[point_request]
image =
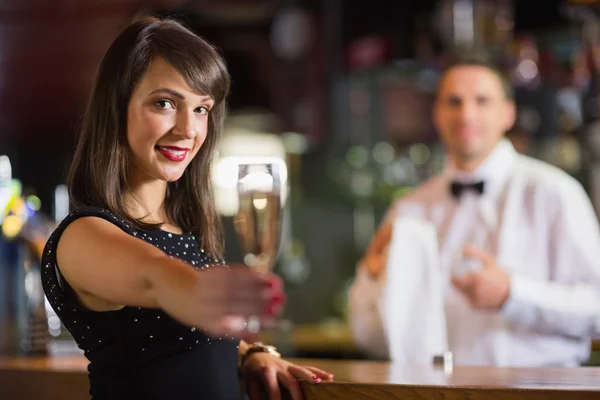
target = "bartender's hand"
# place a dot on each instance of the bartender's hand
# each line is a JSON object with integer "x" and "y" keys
{"x": 487, "y": 288}
{"x": 376, "y": 256}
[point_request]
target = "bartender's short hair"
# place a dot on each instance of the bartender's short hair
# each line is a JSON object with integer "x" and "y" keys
{"x": 480, "y": 58}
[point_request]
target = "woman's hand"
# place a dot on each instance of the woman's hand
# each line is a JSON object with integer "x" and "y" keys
{"x": 263, "y": 373}
{"x": 230, "y": 297}
{"x": 219, "y": 300}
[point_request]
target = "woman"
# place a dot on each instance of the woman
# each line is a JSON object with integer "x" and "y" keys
{"x": 135, "y": 272}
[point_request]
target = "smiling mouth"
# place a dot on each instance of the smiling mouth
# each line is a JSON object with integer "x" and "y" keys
{"x": 172, "y": 153}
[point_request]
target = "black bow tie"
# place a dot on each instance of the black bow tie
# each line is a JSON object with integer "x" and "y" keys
{"x": 457, "y": 188}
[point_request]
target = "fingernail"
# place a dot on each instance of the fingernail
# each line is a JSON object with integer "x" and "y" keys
{"x": 278, "y": 298}
{"x": 270, "y": 284}
{"x": 316, "y": 379}
{"x": 273, "y": 309}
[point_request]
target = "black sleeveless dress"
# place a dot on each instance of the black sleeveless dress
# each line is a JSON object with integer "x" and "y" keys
{"x": 139, "y": 353}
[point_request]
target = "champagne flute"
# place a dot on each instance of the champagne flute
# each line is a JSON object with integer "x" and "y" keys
{"x": 261, "y": 189}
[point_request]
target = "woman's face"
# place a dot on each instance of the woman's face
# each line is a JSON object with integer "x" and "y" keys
{"x": 167, "y": 123}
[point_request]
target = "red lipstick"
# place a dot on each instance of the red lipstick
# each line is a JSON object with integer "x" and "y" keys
{"x": 173, "y": 153}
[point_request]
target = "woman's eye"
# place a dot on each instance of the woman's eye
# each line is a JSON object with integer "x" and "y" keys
{"x": 164, "y": 104}
{"x": 203, "y": 110}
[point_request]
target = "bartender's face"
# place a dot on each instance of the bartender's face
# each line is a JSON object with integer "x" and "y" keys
{"x": 472, "y": 113}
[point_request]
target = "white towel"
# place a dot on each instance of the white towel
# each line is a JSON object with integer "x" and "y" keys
{"x": 412, "y": 301}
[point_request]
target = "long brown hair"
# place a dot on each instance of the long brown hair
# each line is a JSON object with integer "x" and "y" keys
{"x": 100, "y": 167}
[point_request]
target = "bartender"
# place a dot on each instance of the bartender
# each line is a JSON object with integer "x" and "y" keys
{"x": 518, "y": 237}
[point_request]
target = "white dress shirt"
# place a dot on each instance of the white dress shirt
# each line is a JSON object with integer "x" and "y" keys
{"x": 540, "y": 226}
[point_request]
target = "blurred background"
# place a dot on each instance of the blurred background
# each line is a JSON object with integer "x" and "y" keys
{"x": 341, "y": 89}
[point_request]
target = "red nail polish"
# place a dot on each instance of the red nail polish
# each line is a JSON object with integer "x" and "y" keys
{"x": 317, "y": 379}
{"x": 278, "y": 298}
{"x": 273, "y": 309}
{"x": 269, "y": 284}
{"x": 272, "y": 282}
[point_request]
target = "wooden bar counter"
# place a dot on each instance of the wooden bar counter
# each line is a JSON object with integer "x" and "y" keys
{"x": 66, "y": 378}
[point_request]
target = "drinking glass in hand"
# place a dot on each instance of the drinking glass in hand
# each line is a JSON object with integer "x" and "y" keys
{"x": 261, "y": 183}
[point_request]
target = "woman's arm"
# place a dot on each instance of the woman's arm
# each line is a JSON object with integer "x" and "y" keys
{"x": 100, "y": 261}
